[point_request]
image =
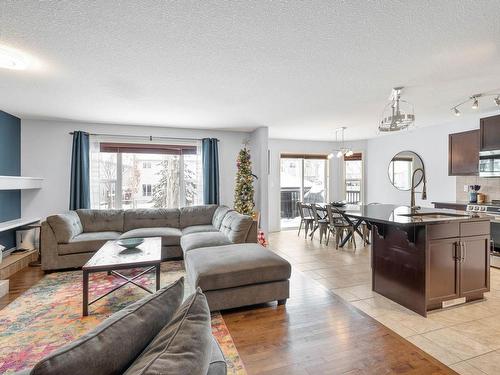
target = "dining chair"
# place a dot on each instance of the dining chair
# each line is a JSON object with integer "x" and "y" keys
{"x": 339, "y": 226}
{"x": 306, "y": 218}
{"x": 319, "y": 223}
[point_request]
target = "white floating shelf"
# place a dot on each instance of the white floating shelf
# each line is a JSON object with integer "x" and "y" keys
{"x": 20, "y": 183}
{"x": 12, "y": 224}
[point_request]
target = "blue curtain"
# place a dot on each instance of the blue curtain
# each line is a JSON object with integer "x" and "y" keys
{"x": 210, "y": 157}
{"x": 80, "y": 175}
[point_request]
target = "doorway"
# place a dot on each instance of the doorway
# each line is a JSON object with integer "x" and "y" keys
{"x": 303, "y": 178}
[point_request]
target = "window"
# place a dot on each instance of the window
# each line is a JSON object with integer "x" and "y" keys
{"x": 146, "y": 190}
{"x": 400, "y": 170}
{"x": 133, "y": 175}
{"x": 353, "y": 178}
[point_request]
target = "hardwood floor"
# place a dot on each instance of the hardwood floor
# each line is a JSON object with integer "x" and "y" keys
{"x": 316, "y": 332}
{"x": 319, "y": 333}
{"x": 20, "y": 282}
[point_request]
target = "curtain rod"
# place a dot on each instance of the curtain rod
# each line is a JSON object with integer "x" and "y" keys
{"x": 151, "y": 137}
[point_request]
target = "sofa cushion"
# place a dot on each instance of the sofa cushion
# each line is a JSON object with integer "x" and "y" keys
{"x": 218, "y": 365}
{"x": 199, "y": 229}
{"x": 234, "y": 265}
{"x": 101, "y": 220}
{"x": 197, "y": 215}
{"x": 116, "y": 342}
{"x": 183, "y": 347}
{"x": 87, "y": 242}
{"x": 169, "y": 236}
{"x": 236, "y": 226}
{"x": 65, "y": 226}
{"x": 206, "y": 239}
{"x": 219, "y": 215}
{"x": 150, "y": 218}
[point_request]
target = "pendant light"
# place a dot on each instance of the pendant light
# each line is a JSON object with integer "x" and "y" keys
{"x": 343, "y": 151}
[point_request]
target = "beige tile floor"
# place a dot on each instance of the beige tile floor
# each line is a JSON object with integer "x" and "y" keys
{"x": 466, "y": 337}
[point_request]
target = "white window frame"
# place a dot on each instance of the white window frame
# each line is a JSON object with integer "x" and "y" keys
{"x": 118, "y": 198}
{"x": 343, "y": 182}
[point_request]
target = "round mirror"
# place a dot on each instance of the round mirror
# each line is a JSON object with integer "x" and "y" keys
{"x": 401, "y": 169}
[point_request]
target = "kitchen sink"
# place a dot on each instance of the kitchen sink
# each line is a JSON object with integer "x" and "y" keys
{"x": 433, "y": 215}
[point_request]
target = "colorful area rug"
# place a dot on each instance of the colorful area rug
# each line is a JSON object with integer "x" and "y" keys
{"x": 49, "y": 315}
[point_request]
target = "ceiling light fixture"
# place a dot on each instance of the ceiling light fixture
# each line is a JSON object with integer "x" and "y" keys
{"x": 475, "y": 101}
{"x": 398, "y": 114}
{"x": 475, "y": 104}
{"x": 12, "y": 59}
{"x": 343, "y": 151}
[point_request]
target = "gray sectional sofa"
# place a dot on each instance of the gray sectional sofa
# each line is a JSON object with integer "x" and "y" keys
{"x": 69, "y": 240}
{"x": 217, "y": 244}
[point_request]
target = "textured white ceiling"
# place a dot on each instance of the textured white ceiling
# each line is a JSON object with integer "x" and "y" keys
{"x": 303, "y": 68}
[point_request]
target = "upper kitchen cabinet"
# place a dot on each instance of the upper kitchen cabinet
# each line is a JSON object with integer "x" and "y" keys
{"x": 463, "y": 153}
{"x": 490, "y": 133}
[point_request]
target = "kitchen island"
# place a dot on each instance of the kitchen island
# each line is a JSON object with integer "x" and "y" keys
{"x": 427, "y": 259}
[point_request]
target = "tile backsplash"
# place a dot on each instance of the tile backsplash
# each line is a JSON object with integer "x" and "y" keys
{"x": 489, "y": 186}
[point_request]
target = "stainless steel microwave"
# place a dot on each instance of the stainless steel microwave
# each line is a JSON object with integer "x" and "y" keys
{"x": 489, "y": 163}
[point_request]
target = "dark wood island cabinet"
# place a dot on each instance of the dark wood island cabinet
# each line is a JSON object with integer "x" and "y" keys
{"x": 429, "y": 260}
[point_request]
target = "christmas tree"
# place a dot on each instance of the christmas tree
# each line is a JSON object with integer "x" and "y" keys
{"x": 243, "y": 194}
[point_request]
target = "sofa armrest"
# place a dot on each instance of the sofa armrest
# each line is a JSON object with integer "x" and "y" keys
{"x": 252, "y": 233}
{"x": 218, "y": 364}
{"x": 48, "y": 246}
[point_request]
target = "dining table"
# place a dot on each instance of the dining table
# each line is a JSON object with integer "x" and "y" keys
{"x": 347, "y": 211}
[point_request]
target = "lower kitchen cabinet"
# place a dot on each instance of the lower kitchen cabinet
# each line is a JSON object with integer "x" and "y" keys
{"x": 475, "y": 259}
{"x": 457, "y": 267}
{"x": 443, "y": 270}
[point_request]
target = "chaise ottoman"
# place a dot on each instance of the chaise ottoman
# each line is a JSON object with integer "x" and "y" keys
{"x": 238, "y": 275}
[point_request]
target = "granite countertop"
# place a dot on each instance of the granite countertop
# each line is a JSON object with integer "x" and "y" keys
{"x": 393, "y": 214}
{"x": 453, "y": 202}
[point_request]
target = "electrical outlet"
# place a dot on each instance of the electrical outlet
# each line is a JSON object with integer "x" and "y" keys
{"x": 466, "y": 188}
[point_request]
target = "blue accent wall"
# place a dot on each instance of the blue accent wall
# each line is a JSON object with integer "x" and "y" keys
{"x": 10, "y": 165}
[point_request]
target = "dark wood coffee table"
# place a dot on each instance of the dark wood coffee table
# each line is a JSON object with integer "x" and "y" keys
{"x": 112, "y": 257}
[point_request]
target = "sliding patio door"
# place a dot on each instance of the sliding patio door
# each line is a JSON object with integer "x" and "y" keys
{"x": 303, "y": 178}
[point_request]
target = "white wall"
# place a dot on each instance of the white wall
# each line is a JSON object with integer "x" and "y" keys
{"x": 280, "y": 146}
{"x": 431, "y": 143}
{"x": 258, "y": 144}
{"x": 46, "y": 152}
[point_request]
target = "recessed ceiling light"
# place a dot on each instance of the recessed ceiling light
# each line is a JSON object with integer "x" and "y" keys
{"x": 456, "y": 112}
{"x": 497, "y": 100}
{"x": 12, "y": 59}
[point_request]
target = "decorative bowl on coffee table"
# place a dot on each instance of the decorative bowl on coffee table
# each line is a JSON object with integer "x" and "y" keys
{"x": 130, "y": 243}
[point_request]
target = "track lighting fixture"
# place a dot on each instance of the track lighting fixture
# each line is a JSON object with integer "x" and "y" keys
{"x": 475, "y": 104}
{"x": 475, "y": 101}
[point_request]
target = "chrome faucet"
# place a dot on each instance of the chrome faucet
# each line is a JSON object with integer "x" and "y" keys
{"x": 412, "y": 194}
